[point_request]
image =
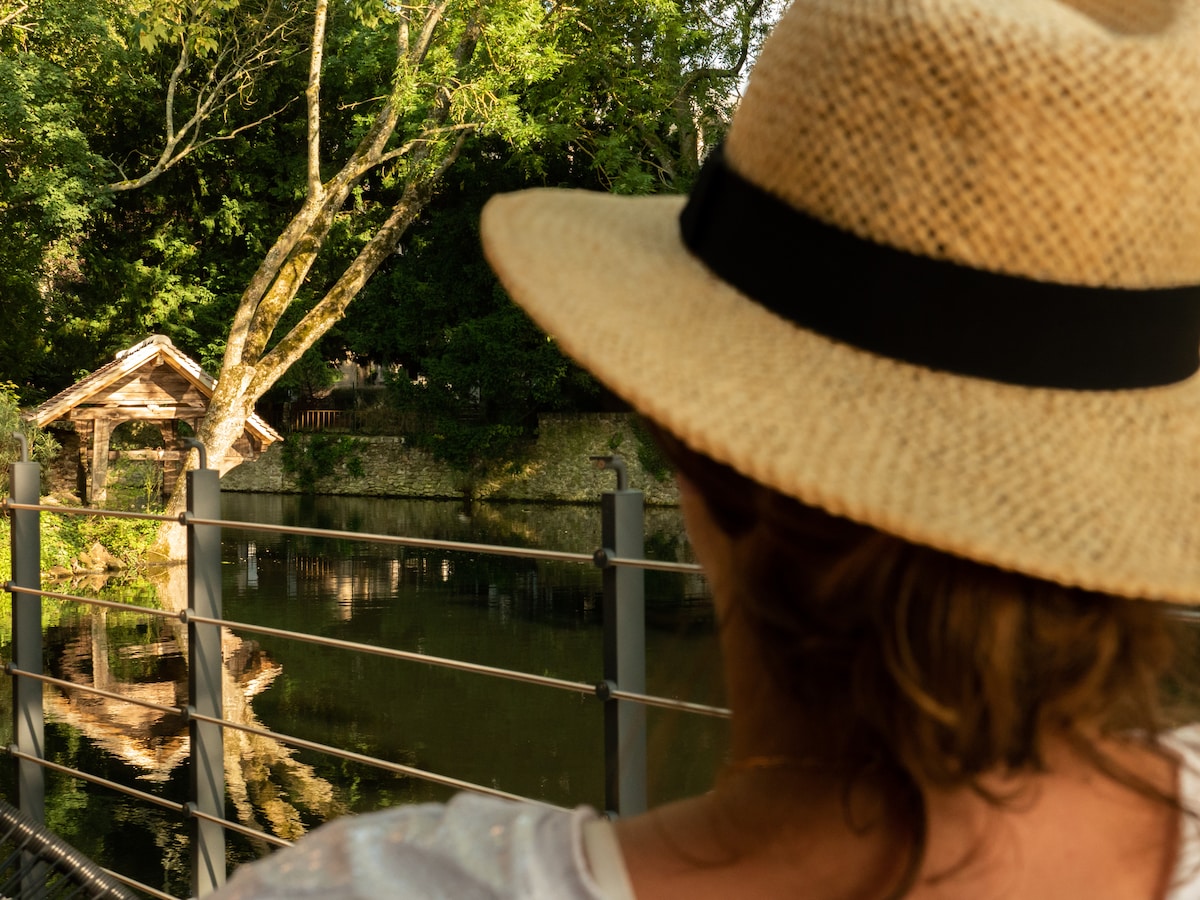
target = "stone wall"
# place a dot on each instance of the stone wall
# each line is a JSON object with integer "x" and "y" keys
{"x": 558, "y": 469}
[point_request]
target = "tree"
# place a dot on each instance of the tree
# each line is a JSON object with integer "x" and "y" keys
{"x": 619, "y": 93}
{"x": 462, "y": 71}
{"x": 46, "y": 172}
{"x": 455, "y": 65}
{"x": 643, "y": 89}
{"x": 100, "y": 104}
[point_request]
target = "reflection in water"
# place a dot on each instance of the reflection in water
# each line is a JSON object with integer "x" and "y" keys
{"x": 152, "y": 670}
{"x": 143, "y": 659}
{"x": 91, "y": 649}
{"x": 518, "y": 614}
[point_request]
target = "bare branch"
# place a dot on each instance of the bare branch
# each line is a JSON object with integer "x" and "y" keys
{"x": 172, "y": 88}
{"x": 231, "y": 72}
{"x": 178, "y": 156}
{"x": 343, "y": 105}
{"x": 732, "y": 71}
{"x": 402, "y": 37}
{"x": 10, "y": 18}
{"x": 404, "y": 148}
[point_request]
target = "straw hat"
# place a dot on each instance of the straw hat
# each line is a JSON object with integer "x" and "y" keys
{"x": 941, "y": 280}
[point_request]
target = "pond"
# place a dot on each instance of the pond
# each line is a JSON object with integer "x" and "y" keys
{"x": 541, "y": 617}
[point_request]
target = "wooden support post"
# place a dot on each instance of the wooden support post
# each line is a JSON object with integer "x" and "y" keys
{"x": 98, "y": 480}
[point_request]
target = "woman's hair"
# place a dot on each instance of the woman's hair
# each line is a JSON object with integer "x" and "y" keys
{"x": 920, "y": 669}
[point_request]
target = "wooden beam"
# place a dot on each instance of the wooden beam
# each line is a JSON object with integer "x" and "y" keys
{"x": 156, "y": 455}
{"x": 120, "y": 414}
{"x": 98, "y": 477}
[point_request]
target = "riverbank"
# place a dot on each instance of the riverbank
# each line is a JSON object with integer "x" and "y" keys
{"x": 558, "y": 468}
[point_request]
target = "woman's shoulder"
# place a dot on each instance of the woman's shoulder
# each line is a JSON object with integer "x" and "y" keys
{"x": 471, "y": 847}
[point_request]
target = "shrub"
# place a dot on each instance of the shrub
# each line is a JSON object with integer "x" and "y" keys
{"x": 311, "y": 457}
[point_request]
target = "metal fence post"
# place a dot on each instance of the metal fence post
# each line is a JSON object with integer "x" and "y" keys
{"x": 622, "y": 535}
{"x": 25, "y": 483}
{"x": 204, "y": 679}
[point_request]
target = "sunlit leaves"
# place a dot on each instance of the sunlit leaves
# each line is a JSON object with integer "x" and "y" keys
{"x": 196, "y": 23}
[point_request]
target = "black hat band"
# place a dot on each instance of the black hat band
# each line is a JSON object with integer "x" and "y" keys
{"x": 936, "y": 313}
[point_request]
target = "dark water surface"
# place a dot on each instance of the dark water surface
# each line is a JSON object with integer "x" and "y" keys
{"x": 540, "y": 617}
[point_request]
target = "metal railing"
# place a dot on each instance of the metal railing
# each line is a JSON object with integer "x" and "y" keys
{"x": 621, "y": 690}
{"x": 324, "y": 420}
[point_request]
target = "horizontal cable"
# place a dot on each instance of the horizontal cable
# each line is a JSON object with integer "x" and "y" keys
{"x": 96, "y": 779}
{"x": 652, "y": 564}
{"x": 90, "y": 689}
{"x": 238, "y": 827}
{"x": 93, "y": 601}
{"x": 87, "y": 511}
{"x": 579, "y": 687}
{"x": 138, "y": 886}
{"x": 368, "y": 537}
{"x": 185, "y": 809}
{"x": 427, "y": 543}
{"x": 398, "y": 768}
{"x": 703, "y": 709}
{"x": 575, "y": 686}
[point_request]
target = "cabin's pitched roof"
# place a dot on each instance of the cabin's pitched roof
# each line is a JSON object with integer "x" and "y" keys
{"x": 154, "y": 350}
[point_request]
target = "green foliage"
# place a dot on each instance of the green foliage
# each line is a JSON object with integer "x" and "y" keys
{"x": 86, "y": 272}
{"x": 42, "y": 447}
{"x": 612, "y": 94}
{"x": 65, "y": 537}
{"x": 48, "y": 191}
{"x": 124, "y": 539}
{"x": 134, "y": 485}
{"x": 311, "y": 457}
{"x": 649, "y": 454}
{"x": 309, "y": 376}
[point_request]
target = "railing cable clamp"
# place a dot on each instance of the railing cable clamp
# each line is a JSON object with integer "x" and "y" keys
{"x": 604, "y": 689}
{"x": 602, "y": 558}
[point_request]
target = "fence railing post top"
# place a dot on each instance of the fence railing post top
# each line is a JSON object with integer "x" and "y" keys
{"x": 617, "y": 464}
{"x": 199, "y": 448}
{"x": 24, "y": 442}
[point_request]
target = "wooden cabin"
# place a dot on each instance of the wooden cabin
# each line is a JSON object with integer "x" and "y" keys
{"x": 152, "y": 382}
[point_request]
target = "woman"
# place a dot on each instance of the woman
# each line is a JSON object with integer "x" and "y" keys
{"x": 923, "y": 343}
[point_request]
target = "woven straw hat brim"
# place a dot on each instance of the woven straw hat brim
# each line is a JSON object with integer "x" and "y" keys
{"x": 1092, "y": 489}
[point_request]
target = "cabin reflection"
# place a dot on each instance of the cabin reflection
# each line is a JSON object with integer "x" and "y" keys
{"x": 143, "y": 662}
